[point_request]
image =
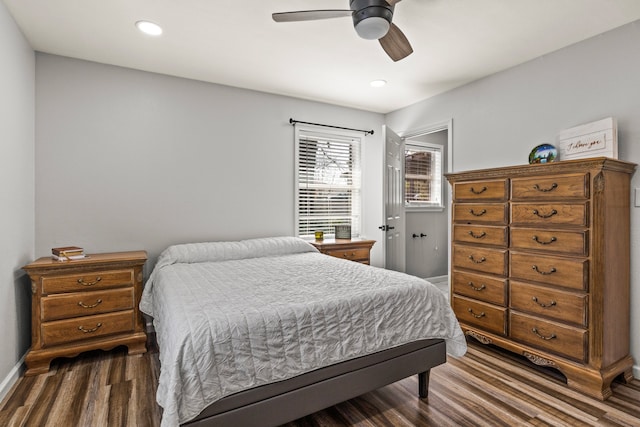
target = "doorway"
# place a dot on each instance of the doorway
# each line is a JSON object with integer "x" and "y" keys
{"x": 426, "y": 235}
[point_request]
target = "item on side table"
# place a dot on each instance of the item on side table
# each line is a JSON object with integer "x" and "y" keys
{"x": 67, "y": 253}
{"x": 343, "y": 231}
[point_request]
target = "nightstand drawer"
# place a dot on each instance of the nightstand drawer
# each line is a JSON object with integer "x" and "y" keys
{"x": 570, "y": 186}
{"x": 64, "y": 306}
{"x": 353, "y": 254}
{"x": 547, "y": 335}
{"x": 87, "y": 281}
{"x": 83, "y": 328}
{"x": 486, "y": 316}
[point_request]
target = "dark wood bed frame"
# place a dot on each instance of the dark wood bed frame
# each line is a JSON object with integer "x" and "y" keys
{"x": 279, "y": 403}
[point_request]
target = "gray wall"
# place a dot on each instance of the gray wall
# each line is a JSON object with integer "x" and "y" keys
{"x": 427, "y": 256}
{"x": 498, "y": 120}
{"x": 17, "y": 100}
{"x": 131, "y": 160}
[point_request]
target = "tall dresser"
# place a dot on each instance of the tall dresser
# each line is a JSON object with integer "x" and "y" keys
{"x": 540, "y": 265}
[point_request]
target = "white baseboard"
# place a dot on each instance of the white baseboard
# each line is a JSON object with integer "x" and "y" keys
{"x": 636, "y": 372}
{"x": 437, "y": 279}
{"x": 11, "y": 378}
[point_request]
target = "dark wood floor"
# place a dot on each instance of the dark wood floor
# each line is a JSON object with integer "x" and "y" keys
{"x": 486, "y": 387}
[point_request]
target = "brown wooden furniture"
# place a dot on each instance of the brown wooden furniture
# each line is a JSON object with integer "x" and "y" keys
{"x": 352, "y": 249}
{"x": 540, "y": 265}
{"x": 85, "y": 305}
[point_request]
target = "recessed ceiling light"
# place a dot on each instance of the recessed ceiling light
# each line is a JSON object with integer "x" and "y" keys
{"x": 378, "y": 83}
{"x": 149, "y": 28}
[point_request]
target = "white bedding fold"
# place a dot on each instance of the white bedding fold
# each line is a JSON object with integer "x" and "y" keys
{"x": 231, "y": 324}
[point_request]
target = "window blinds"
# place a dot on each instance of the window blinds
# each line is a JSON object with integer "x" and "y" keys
{"x": 329, "y": 183}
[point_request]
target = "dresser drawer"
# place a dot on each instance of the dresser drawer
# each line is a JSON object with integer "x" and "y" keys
{"x": 567, "y": 272}
{"x": 570, "y": 186}
{"x": 569, "y": 307}
{"x": 87, "y": 327}
{"x": 496, "y": 213}
{"x": 481, "y": 287}
{"x": 569, "y": 242}
{"x": 480, "y": 259}
{"x": 87, "y": 281}
{"x": 63, "y": 306}
{"x": 482, "y": 234}
{"x": 550, "y": 213}
{"x": 488, "y": 317}
{"x": 493, "y": 189}
{"x": 552, "y": 336}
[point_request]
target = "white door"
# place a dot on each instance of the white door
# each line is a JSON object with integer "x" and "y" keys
{"x": 393, "y": 228}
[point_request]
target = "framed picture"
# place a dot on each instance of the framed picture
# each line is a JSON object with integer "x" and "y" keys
{"x": 596, "y": 139}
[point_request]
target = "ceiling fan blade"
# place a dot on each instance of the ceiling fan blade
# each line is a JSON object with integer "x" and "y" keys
{"x": 395, "y": 43}
{"x": 310, "y": 15}
{"x": 393, "y": 2}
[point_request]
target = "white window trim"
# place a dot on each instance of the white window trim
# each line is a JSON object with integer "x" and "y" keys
{"x": 426, "y": 207}
{"x": 330, "y": 133}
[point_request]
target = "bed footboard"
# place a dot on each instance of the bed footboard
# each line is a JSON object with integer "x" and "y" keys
{"x": 279, "y": 403}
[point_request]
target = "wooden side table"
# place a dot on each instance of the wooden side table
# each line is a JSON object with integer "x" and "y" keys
{"x": 83, "y": 305}
{"x": 358, "y": 250}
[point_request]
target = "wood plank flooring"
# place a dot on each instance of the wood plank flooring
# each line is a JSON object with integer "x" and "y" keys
{"x": 486, "y": 387}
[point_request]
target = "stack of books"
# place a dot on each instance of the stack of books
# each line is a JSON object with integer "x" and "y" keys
{"x": 67, "y": 253}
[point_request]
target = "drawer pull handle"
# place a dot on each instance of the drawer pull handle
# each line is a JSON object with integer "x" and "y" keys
{"x": 83, "y": 283}
{"x": 477, "y": 316}
{"x": 544, "y": 273}
{"x": 477, "y": 261}
{"x": 346, "y": 255}
{"x": 87, "y": 331}
{"x": 550, "y": 337}
{"x": 472, "y": 286}
{"x": 98, "y": 302}
{"x": 482, "y": 212}
{"x": 477, "y": 236}
{"x": 482, "y": 190}
{"x": 553, "y": 239}
{"x": 543, "y": 305}
{"x": 549, "y": 215}
{"x": 546, "y": 190}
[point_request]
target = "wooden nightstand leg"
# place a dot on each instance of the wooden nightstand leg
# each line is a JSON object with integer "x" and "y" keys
{"x": 37, "y": 367}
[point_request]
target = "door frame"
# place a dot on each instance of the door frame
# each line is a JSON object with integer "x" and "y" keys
{"x": 436, "y": 127}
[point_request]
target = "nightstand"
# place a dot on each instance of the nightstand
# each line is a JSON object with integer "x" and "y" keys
{"x": 352, "y": 249}
{"x": 84, "y": 305}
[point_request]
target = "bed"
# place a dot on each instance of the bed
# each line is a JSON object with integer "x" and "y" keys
{"x": 264, "y": 331}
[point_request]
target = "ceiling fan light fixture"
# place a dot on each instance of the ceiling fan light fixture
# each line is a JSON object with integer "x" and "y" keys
{"x": 372, "y": 28}
{"x": 149, "y": 28}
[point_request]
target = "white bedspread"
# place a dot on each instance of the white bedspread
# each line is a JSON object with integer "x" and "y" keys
{"x": 235, "y": 315}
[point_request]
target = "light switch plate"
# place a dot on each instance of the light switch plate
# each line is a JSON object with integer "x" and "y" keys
{"x": 637, "y": 199}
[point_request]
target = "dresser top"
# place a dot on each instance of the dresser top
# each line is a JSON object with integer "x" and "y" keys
{"x": 563, "y": 166}
{"x": 91, "y": 260}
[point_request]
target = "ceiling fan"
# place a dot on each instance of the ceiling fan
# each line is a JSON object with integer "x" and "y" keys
{"x": 371, "y": 19}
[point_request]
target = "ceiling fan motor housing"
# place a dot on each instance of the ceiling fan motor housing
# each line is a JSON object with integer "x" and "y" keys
{"x": 365, "y": 9}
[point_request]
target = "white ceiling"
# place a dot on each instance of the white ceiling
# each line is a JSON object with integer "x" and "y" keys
{"x": 236, "y": 43}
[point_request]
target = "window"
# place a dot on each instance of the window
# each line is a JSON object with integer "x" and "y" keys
{"x": 328, "y": 185}
{"x": 422, "y": 175}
